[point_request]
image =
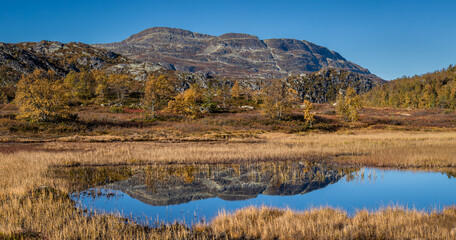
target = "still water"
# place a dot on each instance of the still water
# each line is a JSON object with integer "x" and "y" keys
{"x": 191, "y": 194}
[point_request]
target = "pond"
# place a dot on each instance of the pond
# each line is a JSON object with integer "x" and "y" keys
{"x": 196, "y": 193}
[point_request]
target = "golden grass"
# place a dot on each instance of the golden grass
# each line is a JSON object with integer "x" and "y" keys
{"x": 391, "y": 223}
{"x": 49, "y": 214}
{"x": 22, "y": 170}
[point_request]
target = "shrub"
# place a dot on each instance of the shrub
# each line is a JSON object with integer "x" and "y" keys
{"x": 117, "y": 109}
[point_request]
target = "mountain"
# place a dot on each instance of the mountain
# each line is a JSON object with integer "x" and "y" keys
{"x": 233, "y": 54}
{"x": 23, "y": 58}
{"x": 431, "y": 90}
{"x": 315, "y": 72}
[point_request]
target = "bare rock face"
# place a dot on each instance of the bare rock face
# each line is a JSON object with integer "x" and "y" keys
{"x": 24, "y": 58}
{"x": 232, "y": 54}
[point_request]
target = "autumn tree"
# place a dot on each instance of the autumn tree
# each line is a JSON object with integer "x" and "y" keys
{"x": 236, "y": 90}
{"x": 114, "y": 87}
{"x": 308, "y": 116}
{"x": 348, "y": 105}
{"x": 119, "y": 85}
{"x": 41, "y": 96}
{"x": 81, "y": 86}
{"x": 278, "y": 100}
{"x": 158, "y": 92}
{"x": 186, "y": 103}
{"x": 431, "y": 90}
{"x": 102, "y": 85}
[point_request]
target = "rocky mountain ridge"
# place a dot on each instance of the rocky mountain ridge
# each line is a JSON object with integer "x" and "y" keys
{"x": 235, "y": 55}
{"x": 315, "y": 72}
{"x": 23, "y": 58}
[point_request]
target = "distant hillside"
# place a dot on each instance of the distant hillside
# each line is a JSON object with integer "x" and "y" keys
{"x": 323, "y": 86}
{"x": 23, "y": 58}
{"x": 318, "y": 87}
{"x": 232, "y": 54}
{"x": 432, "y": 90}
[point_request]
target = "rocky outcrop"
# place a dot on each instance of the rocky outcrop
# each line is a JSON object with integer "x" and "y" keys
{"x": 232, "y": 54}
{"x": 324, "y": 86}
{"x": 24, "y": 58}
{"x": 175, "y": 185}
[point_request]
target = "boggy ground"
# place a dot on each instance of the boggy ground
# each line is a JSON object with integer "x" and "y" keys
{"x": 35, "y": 203}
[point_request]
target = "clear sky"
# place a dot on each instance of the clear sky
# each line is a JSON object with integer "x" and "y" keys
{"x": 391, "y": 38}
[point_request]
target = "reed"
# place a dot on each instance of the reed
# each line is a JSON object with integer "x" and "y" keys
{"x": 26, "y": 213}
{"x": 49, "y": 214}
{"x": 327, "y": 223}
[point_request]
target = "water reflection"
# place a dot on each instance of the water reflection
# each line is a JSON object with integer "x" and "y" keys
{"x": 175, "y": 184}
{"x": 190, "y": 193}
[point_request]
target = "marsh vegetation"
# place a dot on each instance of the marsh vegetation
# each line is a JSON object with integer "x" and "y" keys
{"x": 35, "y": 199}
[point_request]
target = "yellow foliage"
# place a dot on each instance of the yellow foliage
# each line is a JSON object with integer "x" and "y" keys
{"x": 236, "y": 90}
{"x": 101, "y": 89}
{"x": 278, "y": 100}
{"x": 41, "y": 96}
{"x": 348, "y": 105}
{"x": 308, "y": 116}
{"x": 81, "y": 85}
{"x": 119, "y": 85}
{"x": 431, "y": 90}
{"x": 186, "y": 103}
{"x": 158, "y": 92}
{"x": 113, "y": 86}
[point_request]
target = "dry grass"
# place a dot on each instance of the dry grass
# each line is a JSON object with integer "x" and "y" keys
{"x": 266, "y": 223}
{"x": 49, "y": 214}
{"x": 24, "y": 169}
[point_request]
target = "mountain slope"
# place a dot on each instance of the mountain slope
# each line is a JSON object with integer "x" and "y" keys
{"x": 231, "y": 54}
{"x": 24, "y": 58}
{"x": 432, "y": 90}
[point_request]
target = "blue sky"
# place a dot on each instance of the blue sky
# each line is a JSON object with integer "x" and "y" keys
{"x": 390, "y": 38}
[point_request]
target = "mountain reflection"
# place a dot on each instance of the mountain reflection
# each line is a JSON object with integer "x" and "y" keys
{"x": 160, "y": 185}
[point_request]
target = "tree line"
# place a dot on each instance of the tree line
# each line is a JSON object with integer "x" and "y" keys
{"x": 432, "y": 90}
{"x": 45, "y": 96}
